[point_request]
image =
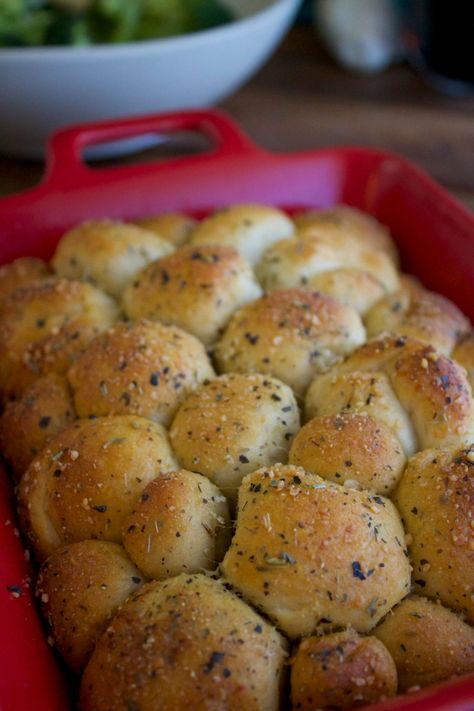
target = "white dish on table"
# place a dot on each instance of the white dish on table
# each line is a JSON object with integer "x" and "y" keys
{"x": 44, "y": 88}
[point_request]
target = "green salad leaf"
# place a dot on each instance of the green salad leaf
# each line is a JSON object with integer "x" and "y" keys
{"x": 78, "y": 22}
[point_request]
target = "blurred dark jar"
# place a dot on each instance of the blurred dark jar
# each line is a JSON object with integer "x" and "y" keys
{"x": 439, "y": 38}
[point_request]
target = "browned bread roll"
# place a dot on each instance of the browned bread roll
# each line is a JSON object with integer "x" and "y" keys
{"x": 315, "y": 556}
{"x": 196, "y": 288}
{"x": 360, "y": 226}
{"x": 44, "y": 325}
{"x": 414, "y": 311}
{"x": 175, "y": 227}
{"x": 428, "y": 642}
{"x": 85, "y": 483}
{"x": 187, "y": 643}
{"x": 435, "y": 498}
{"x": 28, "y": 424}
{"x": 464, "y": 354}
{"x": 361, "y": 393}
{"x": 301, "y": 261}
{"x": 249, "y": 229}
{"x": 19, "y": 272}
{"x": 180, "y": 524}
{"x": 107, "y": 253}
{"x": 80, "y": 588}
{"x": 423, "y": 396}
{"x": 233, "y": 425}
{"x": 141, "y": 368}
{"x": 341, "y": 671}
{"x": 350, "y": 449}
{"x": 353, "y": 287}
{"x": 291, "y": 334}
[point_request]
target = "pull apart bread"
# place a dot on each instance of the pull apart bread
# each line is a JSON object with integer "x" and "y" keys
{"x": 243, "y": 451}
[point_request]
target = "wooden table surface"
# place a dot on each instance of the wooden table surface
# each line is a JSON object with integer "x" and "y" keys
{"x": 302, "y": 100}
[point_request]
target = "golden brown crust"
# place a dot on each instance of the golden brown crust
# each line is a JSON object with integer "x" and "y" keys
{"x": 434, "y": 389}
{"x": 249, "y": 229}
{"x": 86, "y": 482}
{"x": 28, "y": 424}
{"x": 80, "y": 588}
{"x": 19, "y": 272}
{"x": 107, "y": 253}
{"x": 313, "y": 555}
{"x": 196, "y": 288}
{"x": 233, "y": 425}
{"x": 180, "y": 524}
{"x": 295, "y": 261}
{"x": 291, "y": 334}
{"x": 435, "y": 498}
{"x": 142, "y": 368}
{"x": 432, "y": 392}
{"x": 464, "y": 354}
{"x": 341, "y": 670}
{"x": 175, "y": 227}
{"x": 428, "y": 642}
{"x": 416, "y": 312}
{"x": 44, "y": 325}
{"x": 361, "y": 393}
{"x": 361, "y": 227}
{"x": 352, "y": 449}
{"x": 187, "y": 643}
{"x": 353, "y": 287}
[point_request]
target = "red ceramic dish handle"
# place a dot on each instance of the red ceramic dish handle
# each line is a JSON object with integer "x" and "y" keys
{"x": 65, "y": 151}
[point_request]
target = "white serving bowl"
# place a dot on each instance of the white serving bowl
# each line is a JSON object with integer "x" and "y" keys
{"x": 44, "y": 88}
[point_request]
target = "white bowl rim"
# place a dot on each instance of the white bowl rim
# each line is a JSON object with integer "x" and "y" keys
{"x": 141, "y": 46}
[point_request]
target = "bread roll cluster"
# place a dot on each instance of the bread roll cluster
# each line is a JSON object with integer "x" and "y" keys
{"x": 119, "y": 251}
{"x": 291, "y": 334}
{"x": 86, "y": 481}
{"x": 45, "y": 325}
{"x": 138, "y": 367}
{"x": 333, "y": 262}
{"x": 232, "y": 425}
{"x": 341, "y": 670}
{"x": 243, "y": 450}
{"x": 197, "y": 289}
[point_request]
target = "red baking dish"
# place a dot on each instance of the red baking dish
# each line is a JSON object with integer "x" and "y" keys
{"x": 434, "y": 233}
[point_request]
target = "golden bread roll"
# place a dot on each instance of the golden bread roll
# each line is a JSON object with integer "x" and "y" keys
{"x": 295, "y": 261}
{"x": 19, "y": 272}
{"x": 350, "y": 449}
{"x": 353, "y": 287}
{"x": 86, "y": 482}
{"x": 233, "y": 425}
{"x": 428, "y": 642}
{"x": 141, "y": 368}
{"x": 249, "y": 229}
{"x": 464, "y": 354}
{"x": 186, "y": 643}
{"x": 107, "y": 253}
{"x": 28, "y": 424}
{"x": 180, "y": 524}
{"x": 435, "y": 498}
{"x": 341, "y": 671}
{"x": 196, "y": 288}
{"x": 370, "y": 394}
{"x": 44, "y": 325}
{"x": 423, "y": 395}
{"x": 361, "y": 227}
{"x": 419, "y": 313}
{"x": 80, "y": 588}
{"x": 315, "y": 556}
{"x": 174, "y": 227}
{"x": 291, "y": 334}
